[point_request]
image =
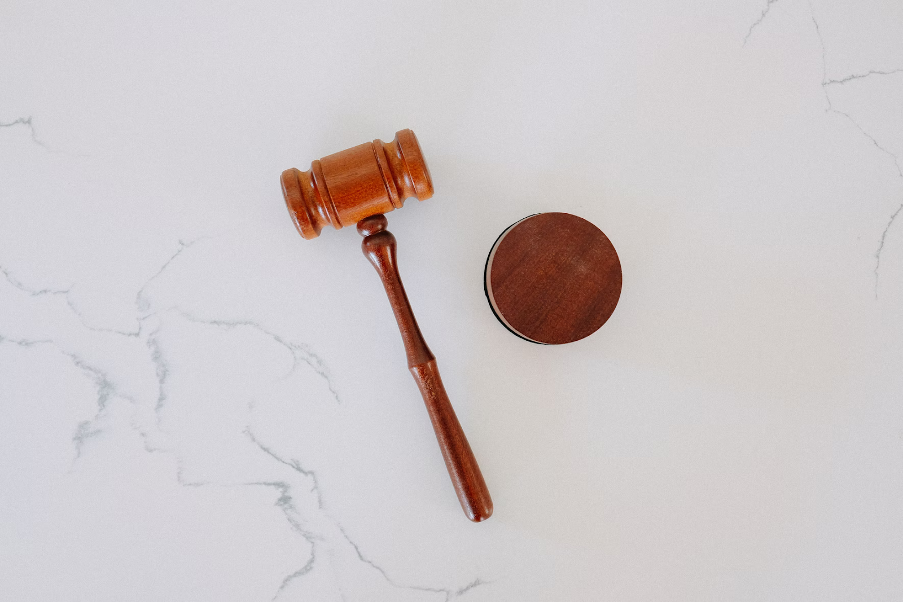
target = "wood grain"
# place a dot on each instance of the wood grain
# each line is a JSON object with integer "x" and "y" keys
{"x": 357, "y": 186}
{"x": 343, "y": 188}
{"x": 553, "y": 278}
{"x": 379, "y": 246}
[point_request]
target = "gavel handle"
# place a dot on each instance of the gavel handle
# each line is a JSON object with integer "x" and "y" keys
{"x": 379, "y": 247}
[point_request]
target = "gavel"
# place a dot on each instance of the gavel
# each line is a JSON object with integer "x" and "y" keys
{"x": 357, "y": 186}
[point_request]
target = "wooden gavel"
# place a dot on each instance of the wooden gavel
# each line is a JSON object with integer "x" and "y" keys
{"x": 357, "y": 186}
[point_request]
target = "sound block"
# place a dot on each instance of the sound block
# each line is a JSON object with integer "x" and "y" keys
{"x": 553, "y": 278}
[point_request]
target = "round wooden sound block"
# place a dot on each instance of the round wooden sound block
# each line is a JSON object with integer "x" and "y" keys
{"x": 553, "y": 278}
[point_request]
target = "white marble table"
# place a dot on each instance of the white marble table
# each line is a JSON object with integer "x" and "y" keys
{"x": 199, "y": 405}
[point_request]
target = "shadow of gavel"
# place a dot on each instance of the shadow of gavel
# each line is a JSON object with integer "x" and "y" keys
{"x": 357, "y": 186}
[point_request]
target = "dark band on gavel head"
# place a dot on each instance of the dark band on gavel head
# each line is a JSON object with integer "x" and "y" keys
{"x": 343, "y": 188}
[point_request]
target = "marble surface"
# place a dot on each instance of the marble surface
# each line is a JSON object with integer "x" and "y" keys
{"x": 200, "y": 405}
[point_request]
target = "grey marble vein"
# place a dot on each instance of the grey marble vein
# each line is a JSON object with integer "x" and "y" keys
{"x": 104, "y": 385}
{"x": 878, "y": 254}
{"x": 293, "y": 464}
{"x": 141, "y": 301}
{"x": 844, "y": 80}
{"x": 293, "y": 576}
{"x": 161, "y": 367}
{"x": 180, "y": 474}
{"x": 24, "y": 342}
{"x": 875, "y": 142}
{"x": 65, "y": 293}
{"x": 297, "y": 350}
{"x": 383, "y": 572}
{"x": 105, "y": 389}
{"x": 756, "y": 23}
{"x": 477, "y": 582}
{"x": 27, "y": 122}
{"x": 447, "y": 592}
{"x": 86, "y": 430}
{"x": 826, "y": 82}
{"x": 28, "y": 290}
{"x": 285, "y": 503}
{"x": 830, "y": 108}
{"x": 102, "y": 382}
{"x": 135, "y": 334}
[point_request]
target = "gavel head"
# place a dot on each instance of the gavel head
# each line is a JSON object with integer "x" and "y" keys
{"x": 344, "y": 188}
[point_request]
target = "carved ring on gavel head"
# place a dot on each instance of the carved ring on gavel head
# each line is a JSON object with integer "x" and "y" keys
{"x": 343, "y": 188}
{"x": 357, "y": 186}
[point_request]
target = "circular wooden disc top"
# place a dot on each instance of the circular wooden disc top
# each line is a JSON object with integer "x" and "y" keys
{"x": 553, "y": 278}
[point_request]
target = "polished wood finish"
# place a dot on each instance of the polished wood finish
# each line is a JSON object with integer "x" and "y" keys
{"x": 379, "y": 246}
{"x": 553, "y": 278}
{"x": 357, "y": 186}
{"x": 343, "y": 188}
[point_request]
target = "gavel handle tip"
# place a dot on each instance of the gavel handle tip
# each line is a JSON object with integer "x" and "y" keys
{"x": 463, "y": 469}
